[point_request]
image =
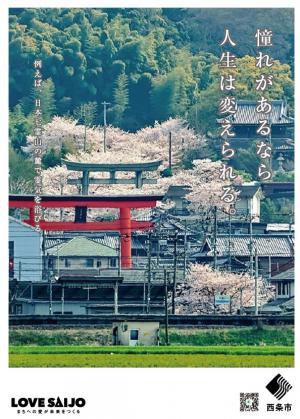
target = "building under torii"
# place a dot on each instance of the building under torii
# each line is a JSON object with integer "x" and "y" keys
{"x": 125, "y": 225}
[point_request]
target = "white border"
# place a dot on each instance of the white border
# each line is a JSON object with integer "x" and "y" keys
{"x": 134, "y": 393}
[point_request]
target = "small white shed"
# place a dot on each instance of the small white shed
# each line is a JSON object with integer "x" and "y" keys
{"x": 138, "y": 333}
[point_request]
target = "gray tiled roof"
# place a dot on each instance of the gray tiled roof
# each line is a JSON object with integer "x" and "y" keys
{"x": 107, "y": 240}
{"x": 248, "y": 191}
{"x": 246, "y": 113}
{"x": 266, "y": 245}
{"x": 289, "y": 274}
{"x": 81, "y": 246}
{"x": 279, "y": 305}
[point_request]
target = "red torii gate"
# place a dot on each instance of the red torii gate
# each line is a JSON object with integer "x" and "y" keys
{"x": 125, "y": 225}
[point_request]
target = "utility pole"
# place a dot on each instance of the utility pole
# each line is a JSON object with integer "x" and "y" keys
{"x": 119, "y": 254}
{"x": 149, "y": 272}
{"x": 50, "y": 295}
{"x": 58, "y": 262}
{"x": 241, "y": 299}
{"x": 174, "y": 272}
{"x": 166, "y": 308}
{"x": 158, "y": 241}
{"x": 104, "y": 124}
{"x": 170, "y": 150}
{"x": 63, "y": 299}
{"x": 184, "y": 250}
{"x": 20, "y": 270}
{"x": 144, "y": 293}
{"x": 251, "y": 247}
{"x": 215, "y": 236}
{"x": 196, "y": 95}
{"x": 44, "y": 255}
{"x": 256, "y": 285}
{"x": 116, "y": 294}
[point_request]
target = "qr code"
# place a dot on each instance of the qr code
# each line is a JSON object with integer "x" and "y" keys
{"x": 248, "y": 402}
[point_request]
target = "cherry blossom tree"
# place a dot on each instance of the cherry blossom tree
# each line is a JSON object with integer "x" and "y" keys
{"x": 61, "y": 130}
{"x": 55, "y": 179}
{"x": 20, "y": 186}
{"x": 197, "y": 295}
{"x": 205, "y": 184}
{"x": 147, "y": 144}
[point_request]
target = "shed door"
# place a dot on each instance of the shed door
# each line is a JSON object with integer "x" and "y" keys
{"x": 133, "y": 337}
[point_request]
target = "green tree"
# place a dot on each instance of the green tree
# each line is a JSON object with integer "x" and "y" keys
{"x": 284, "y": 176}
{"x": 121, "y": 99}
{"x": 141, "y": 112}
{"x": 272, "y": 212}
{"x": 246, "y": 160}
{"x": 170, "y": 95}
{"x": 203, "y": 114}
{"x": 46, "y": 95}
{"x": 21, "y": 173}
{"x": 51, "y": 158}
{"x": 19, "y": 127}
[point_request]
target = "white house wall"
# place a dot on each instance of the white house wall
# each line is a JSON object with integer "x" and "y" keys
{"x": 27, "y": 251}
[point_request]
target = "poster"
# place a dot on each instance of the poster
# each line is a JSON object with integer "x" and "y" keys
{"x": 149, "y": 261}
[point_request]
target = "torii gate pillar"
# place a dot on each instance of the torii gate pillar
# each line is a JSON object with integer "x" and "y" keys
{"x": 125, "y": 230}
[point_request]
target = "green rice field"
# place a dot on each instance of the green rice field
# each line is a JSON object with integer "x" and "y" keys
{"x": 162, "y": 356}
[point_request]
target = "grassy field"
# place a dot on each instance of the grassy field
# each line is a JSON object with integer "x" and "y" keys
{"x": 172, "y": 356}
{"x": 144, "y": 350}
{"x": 268, "y": 335}
{"x": 215, "y": 347}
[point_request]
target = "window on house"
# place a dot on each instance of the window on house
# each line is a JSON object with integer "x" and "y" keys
{"x": 19, "y": 309}
{"x": 89, "y": 263}
{"x": 283, "y": 288}
{"x": 11, "y": 258}
{"x": 98, "y": 263}
{"x": 67, "y": 263}
{"x": 113, "y": 262}
{"x": 11, "y": 249}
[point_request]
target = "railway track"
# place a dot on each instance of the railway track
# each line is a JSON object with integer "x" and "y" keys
{"x": 56, "y": 321}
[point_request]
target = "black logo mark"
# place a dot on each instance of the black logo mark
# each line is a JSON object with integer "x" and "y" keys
{"x": 279, "y": 386}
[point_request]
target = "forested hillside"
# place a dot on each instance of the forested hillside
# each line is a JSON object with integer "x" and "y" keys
{"x": 150, "y": 64}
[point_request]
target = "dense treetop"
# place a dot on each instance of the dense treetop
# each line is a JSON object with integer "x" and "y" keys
{"x": 150, "y": 64}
